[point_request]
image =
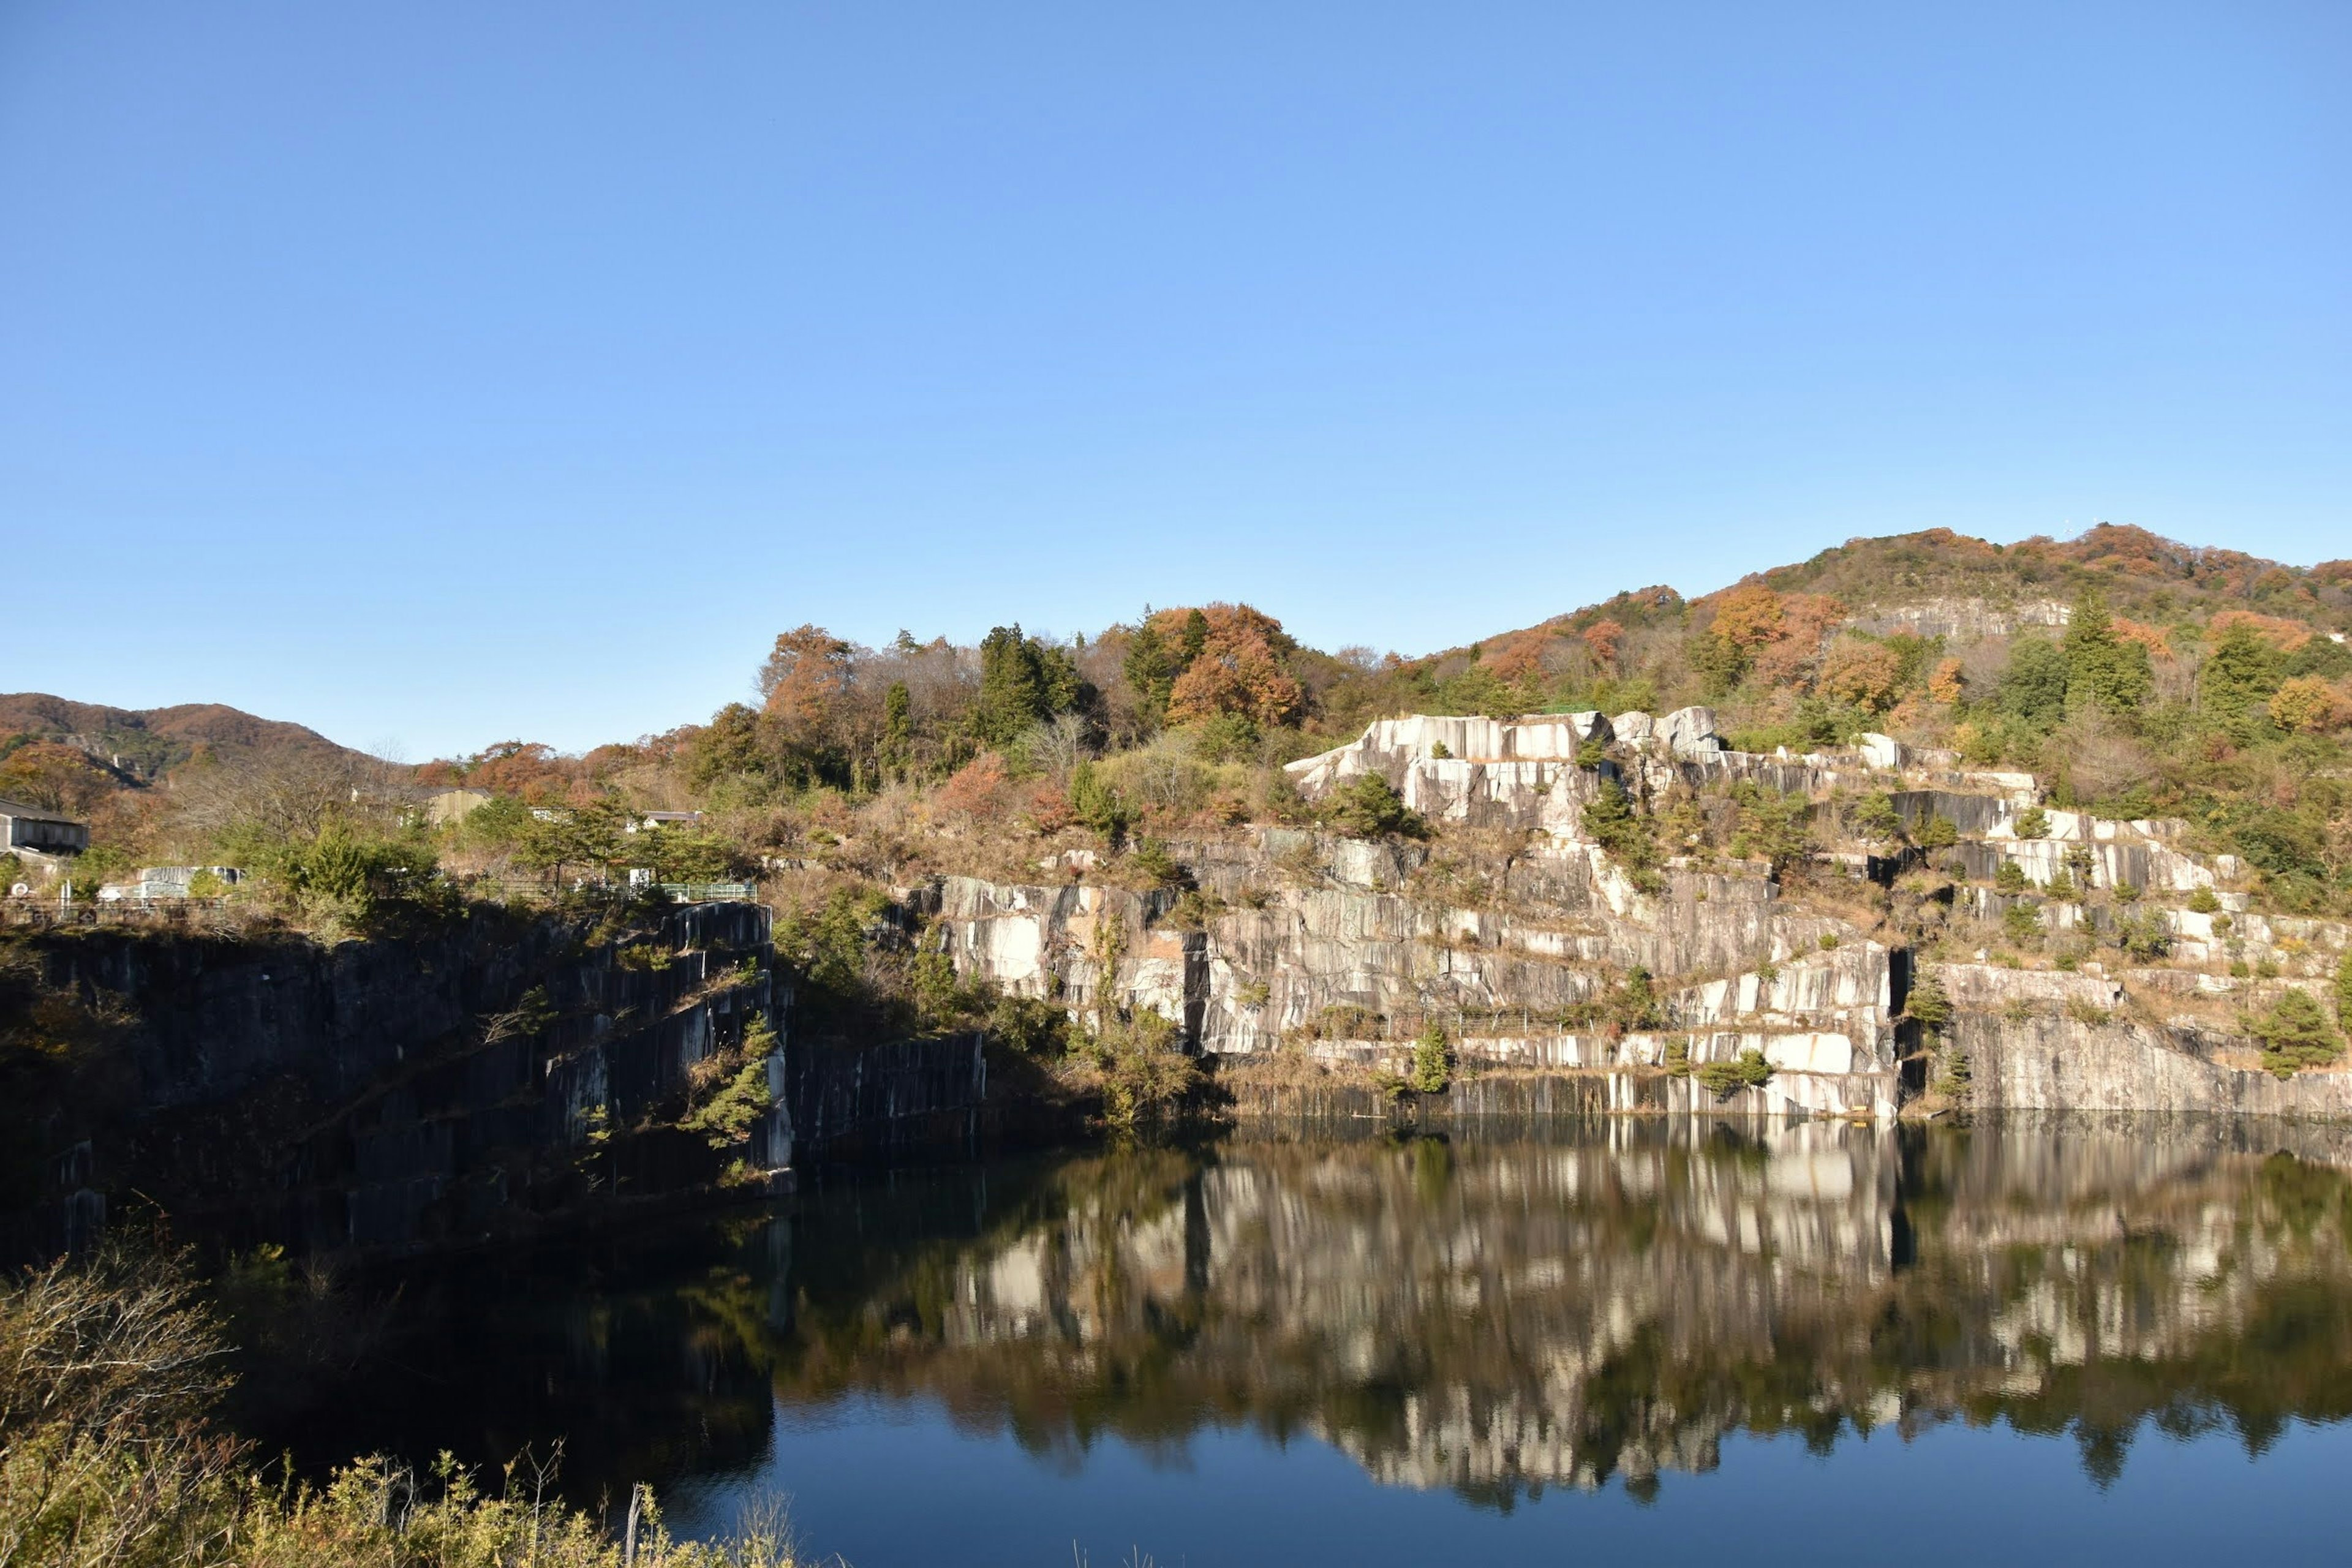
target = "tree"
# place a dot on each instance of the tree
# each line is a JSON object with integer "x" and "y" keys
{"x": 1603, "y": 639}
{"x": 1748, "y": 617}
{"x": 2032, "y": 687}
{"x": 1097, "y": 806}
{"x": 897, "y": 728}
{"x": 2309, "y": 705}
{"x": 1867, "y": 674}
{"x": 2295, "y": 1033}
{"x": 2344, "y": 991}
{"x": 2032, "y": 823}
{"x": 1611, "y": 821}
{"x": 1151, "y": 667}
{"x": 806, "y": 675}
{"x": 1239, "y": 672}
{"x": 1368, "y": 806}
{"x": 1875, "y": 819}
{"x": 1938, "y": 833}
{"x": 2240, "y": 675}
{"x": 590, "y": 836}
{"x": 1013, "y": 694}
{"x": 1929, "y": 1005}
{"x": 2101, "y": 667}
{"x": 55, "y": 777}
{"x": 1432, "y": 1063}
{"x": 1724, "y": 1079}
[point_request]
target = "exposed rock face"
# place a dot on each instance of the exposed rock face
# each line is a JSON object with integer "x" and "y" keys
{"x": 366, "y": 1095}
{"x": 1345, "y": 949}
{"x": 2044, "y": 1062}
{"x": 1355, "y": 944}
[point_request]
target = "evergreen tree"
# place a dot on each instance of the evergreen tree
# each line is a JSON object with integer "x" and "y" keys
{"x": 2101, "y": 670}
{"x": 1150, "y": 665}
{"x": 2239, "y": 678}
{"x": 2033, "y": 685}
{"x": 1013, "y": 694}
{"x": 897, "y": 728}
{"x": 1194, "y": 641}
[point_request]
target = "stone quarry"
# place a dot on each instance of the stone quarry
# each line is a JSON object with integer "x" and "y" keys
{"x": 1512, "y": 929}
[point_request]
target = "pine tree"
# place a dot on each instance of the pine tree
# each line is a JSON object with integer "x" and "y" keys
{"x": 1011, "y": 686}
{"x": 897, "y": 730}
{"x": 1150, "y": 665}
{"x": 2101, "y": 670}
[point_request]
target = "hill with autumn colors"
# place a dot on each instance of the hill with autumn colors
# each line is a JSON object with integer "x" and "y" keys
{"x": 2134, "y": 674}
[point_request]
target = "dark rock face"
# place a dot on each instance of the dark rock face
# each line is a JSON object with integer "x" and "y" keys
{"x": 395, "y": 1094}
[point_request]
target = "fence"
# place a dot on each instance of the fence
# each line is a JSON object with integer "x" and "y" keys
{"x": 46, "y": 912}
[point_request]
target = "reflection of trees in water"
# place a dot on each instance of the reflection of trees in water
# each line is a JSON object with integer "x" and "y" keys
{"x": 1486, "y": 1315}
{"x": 1494, "y": 1317}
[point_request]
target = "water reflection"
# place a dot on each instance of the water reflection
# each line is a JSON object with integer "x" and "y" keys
{"x": 1494, "y": 1315}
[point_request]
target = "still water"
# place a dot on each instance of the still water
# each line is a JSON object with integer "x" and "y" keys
{"x": 1822, "y": 1343}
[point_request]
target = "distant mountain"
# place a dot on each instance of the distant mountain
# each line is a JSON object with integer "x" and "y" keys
{"x": 139, "y": 744}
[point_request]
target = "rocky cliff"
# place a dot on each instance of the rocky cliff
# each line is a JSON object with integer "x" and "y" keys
{"x": 388, "y": 1094}
{"x": 1534, "y": 948}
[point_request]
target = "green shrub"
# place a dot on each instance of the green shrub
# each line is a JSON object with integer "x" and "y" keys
{"x": 2204, "y": 901}
{"x": 2032, "y": 823}
{"x": 1369, "y": 807}
{"x": 2143, "y": 936}
{"x": 1937, "y": 833}
{"x": 1954, "y": 1082}
{"x": 1724, "y": 1079}
{"x": 2021, "y": 923}
{"x": 2295, "y": 1033}
{"x": 2010, "y": 878}
{"x": 1611, "y": 821}
{"x": 1928, "y": 1004}
{"x": 1433, "y": 1062}
{"x": 1875, "y": 818}
{"x": 1151, "y": 860}
{"x": 1029, "y": 1026}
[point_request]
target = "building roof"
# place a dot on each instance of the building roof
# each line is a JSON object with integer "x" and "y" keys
{"x": 38, "y": 813}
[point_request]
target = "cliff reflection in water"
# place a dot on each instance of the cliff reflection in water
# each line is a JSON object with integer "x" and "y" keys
{"x": 1493, "y": 1317}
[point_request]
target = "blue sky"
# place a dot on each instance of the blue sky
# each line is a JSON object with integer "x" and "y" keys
{"x": 438, "y": 373}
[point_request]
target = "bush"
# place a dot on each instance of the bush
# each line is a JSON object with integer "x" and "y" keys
{"x": 2021, "y": 923}
{"x": 1875, "y": 819}
{"x": 1938, "y": 833}
{"x": 1954, "y": 1083}
{"x": 1029, "y": 1027}
{"x": 2010, "y": 878}
{"x": 1433, "y": 1062}
{"x": 1155, "y": 865}
{"x": 1929, "y": 1005}
{"x": 2032, "y": 823}
{"x": 1724, "y": 1080}
{"x": 1611, "y": 821}
{"x": 1097, "y": 806}
{"x": 1146, "y": 1074}
{"x": 2295, "y": 1033}
{"x": 1369, "y": 807}
{"x": 2204, "y": 901}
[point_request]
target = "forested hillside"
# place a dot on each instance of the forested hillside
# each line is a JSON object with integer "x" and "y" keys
{"x": 2138, "y": 677}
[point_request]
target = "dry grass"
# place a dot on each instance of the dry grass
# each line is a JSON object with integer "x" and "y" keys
{"x": 109, "y": 1372}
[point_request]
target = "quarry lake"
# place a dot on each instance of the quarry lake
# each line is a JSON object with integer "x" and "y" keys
{"x": 2026, "y": 1340}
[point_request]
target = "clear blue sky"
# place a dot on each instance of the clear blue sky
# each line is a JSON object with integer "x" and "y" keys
{"x": 442, "y": 373}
